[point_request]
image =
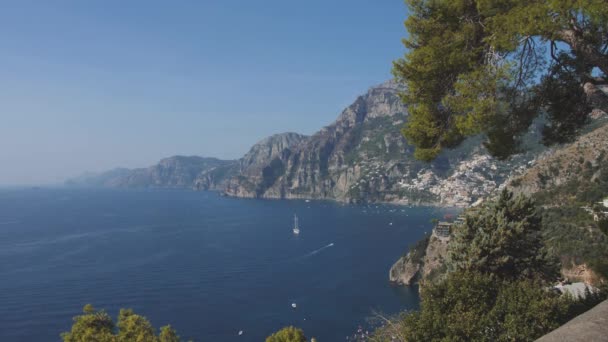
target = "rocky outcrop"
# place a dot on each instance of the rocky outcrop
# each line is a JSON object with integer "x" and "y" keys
{"x": 434, "y": 258}
{"x": 405, "y": 271}
{"x": 423, "y": 262}
{"x": 261, "y": 166}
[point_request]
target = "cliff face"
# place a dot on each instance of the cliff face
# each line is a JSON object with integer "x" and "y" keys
{"x": 405, "y": 271}
{"x": 421, "y": 263}
{"x": 363, "y": 157}
{"x": 260, "y": 167}
{"x": 360, "y": 157}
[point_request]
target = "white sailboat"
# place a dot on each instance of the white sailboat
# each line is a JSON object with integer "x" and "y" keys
{"x": 296, "y": 229}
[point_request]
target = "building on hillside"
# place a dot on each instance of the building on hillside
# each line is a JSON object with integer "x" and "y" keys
{"x": 442, "y": 229}
{"x": 460, "y": 219}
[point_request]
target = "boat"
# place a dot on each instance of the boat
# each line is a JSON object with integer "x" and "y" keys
{"x": 293, "y": 305}
{"x": 296, "y": 229}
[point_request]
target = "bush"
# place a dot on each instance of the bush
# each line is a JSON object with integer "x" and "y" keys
{"x": 503, "y": 239}
{"x": 471, "y": 306}
{"x": 287, "y": 334}
{"x": 98, "y": 326}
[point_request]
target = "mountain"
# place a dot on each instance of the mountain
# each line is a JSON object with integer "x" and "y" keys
{"x": 175, "y": 172}
{"x": 102, "y": 179}
{"x": 362, "y": 156}
{"x": 258, "y": 168}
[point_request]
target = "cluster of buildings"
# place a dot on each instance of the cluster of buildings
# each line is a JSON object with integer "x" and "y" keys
{"x": 443, "y": 229}
{"x": 470, "y": 180}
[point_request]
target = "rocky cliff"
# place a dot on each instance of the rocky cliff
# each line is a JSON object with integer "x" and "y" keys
{"x": 260, "y": 167}
{"x": 406, "y": 270}
{"x": 362, "y": 156}
{"x": 423, "y": 262}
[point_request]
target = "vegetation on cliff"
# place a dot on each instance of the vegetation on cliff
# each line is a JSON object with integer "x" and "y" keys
{"x": 476, "y": 306}
{"x": 478, "y": 66}
{"x": 567, "y": 186}
{"x": 504, "y": 239}
{"x": 496, "y": 288}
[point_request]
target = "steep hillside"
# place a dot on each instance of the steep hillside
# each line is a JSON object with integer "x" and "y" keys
{"x": 567, "y": 182}
{"x": 259, "y": 167}
{"x": 424, "y": 262}
{"x": 362, "y": 156}
{"x": 560, "y": 166}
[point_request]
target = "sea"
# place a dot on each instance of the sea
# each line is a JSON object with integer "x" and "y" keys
{"x": 210, "y": 266}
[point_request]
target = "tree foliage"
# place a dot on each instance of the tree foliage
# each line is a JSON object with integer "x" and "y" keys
{"x": 498, "y": 284}
{"x": 503, "y": 239}
{"x": 98, "y": 326}
{"x": 287, "y": 334}
{"x": 490, "y": 66}
{"x": 470, "y": 306}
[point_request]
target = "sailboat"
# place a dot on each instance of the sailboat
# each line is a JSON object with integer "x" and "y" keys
{"x": 296, "y": 229}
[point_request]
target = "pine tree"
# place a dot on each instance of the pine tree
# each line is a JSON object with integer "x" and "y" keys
{"x": 490, "y": 66}
{"x": 98, "y": 326}
{"x": 503, "y": 239}
{"x": 287, "y": 334}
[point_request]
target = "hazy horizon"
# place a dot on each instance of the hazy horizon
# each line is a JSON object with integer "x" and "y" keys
{"x": 98, "y": 85}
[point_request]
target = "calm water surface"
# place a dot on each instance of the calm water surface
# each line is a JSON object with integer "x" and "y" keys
{"x": 208, "y": 265}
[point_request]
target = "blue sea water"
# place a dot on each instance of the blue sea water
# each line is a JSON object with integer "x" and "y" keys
{"x": 208, "y": 265}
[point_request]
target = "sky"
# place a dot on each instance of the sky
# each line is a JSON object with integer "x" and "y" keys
{"x": 94, "y": 85}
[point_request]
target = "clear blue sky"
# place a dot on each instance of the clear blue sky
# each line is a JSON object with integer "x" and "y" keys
{"x": 92, "y": 85}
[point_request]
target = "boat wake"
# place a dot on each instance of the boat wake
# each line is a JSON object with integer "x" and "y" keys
{"x": 316, "y": 251}
{"x": 8, "y": 222}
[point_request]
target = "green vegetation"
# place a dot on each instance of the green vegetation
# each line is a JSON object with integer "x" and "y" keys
{"x": 482, "y": 66}
{"x": 569, "y": 231}
{"x": 288, "y": 334}
{"x": 503, "y": 239}
{"x": 572, "y": 236}
{"x": 417, "y": 251}
{"x": 590, "y": 187}
{"x": 473, "y": 306}
{"x": 374, "y": 145}
{"x": 98, "y": 326}
{"x": 496, "y": 286}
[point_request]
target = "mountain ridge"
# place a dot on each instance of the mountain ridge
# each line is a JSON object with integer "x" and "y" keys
{"x": 360, "y": 157}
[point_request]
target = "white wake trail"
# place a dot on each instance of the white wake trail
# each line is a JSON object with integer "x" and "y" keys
{"x": 317, "y": 251}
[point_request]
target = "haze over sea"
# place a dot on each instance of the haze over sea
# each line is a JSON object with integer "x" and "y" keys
{"x": 208, "y": 265}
